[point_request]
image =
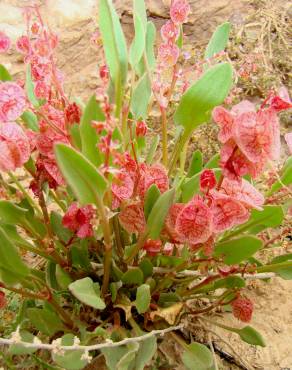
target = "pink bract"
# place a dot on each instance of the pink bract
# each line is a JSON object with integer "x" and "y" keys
{"x": 5, "y": 42}
{"x": 169, "y": 32}
{"x": 14, "y": 147}
{"x": 168, "y": 54}
{"x": 193, "y": 224}
{"x": 123, "y": 186}
{"x": 179, "y": 11}
{"x": 226, "y": 212}
{"x": 12, "y": 101}
{"x": 79, "y": 220}
{"x": 244, "y": 192}
{"x": 132, "y": 218}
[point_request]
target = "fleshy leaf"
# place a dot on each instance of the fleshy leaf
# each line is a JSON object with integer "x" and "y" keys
{"x": 45, "y": 321}
{"x": 86, "y": 291}
{"x": 196, "y": 164}
{"x": 197, "y": 356}
{"x": 218, "y": 40}
{"x": 143, "y": 298}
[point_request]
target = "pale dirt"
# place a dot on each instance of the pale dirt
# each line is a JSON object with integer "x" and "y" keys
{"x": 75, "y": 20}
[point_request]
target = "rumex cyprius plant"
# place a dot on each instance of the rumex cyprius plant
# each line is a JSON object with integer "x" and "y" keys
{"x": 129, "y": 238}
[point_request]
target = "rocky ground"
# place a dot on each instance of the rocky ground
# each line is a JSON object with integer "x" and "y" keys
{"x": 75, "y": 20}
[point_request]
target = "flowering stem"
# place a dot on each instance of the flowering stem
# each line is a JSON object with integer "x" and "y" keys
{"x": 108, "y": 245}
{"x": 164, "y": 136}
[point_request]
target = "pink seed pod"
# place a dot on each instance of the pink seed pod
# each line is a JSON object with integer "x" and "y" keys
{"x": 79, "y": 220}
{"x": 179, "y": 11}
{"x": 132, "y": 218}
{"x": 72, "y": 113}
{"x": 193, "y": 224}
{"x": 207, "y": 180}
{"x": 14, "y": 147}
{"x": 22, "y": 44}
{"x": 141, "y": 129}
{"x": 169, "y": 32}
{"x": 5, "y": 42}
{"x": 152, "y": 247}
{"x": 242, "y": 308}
{"x": 12, "y": 101}
{"x": 168, "y": 54}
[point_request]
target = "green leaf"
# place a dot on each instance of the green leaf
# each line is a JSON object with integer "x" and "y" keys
{"x": 133, "y": 276}
{"x": 284, "y": 273}
{"x": 10, "y": 213}
{"x": 63, "y": 279}
{"x": 238, "y": 250}
{"x": 85, "y": 290}
{"x": 147, "y": 267}
{"x": 138, "y": 45}
{"x": 13, "y": 235}
{"x": 18, "y": 349}
{"x": 168, "y": 299}
{"x": 88, "y": 134}
{"x": 114, "y": 42}
{"x": 197, "y": 357}
{"x": 45, "y": 321}
{"x": 251, "y": 336}
{"x": 196, "y": 164}
{"x": 147, "y": 350}
{"x": 286, "y": 178}
{"x": 59, "y": 230}
{"x": 9, "y": 257}
{"x": 4, "y": 74}
{"x": 218, "y": 40}
{"x": 50, "y": 273}
{"x": 152, "y": 150}
{"x": 30, "y": 120}
{"x": 213, "y": 162}
{"x": 114, "y": 287}
{"x": 230, "y": 282}
{"x": 113, "y": 356}
{"x": 159, "y": 212}
{"x": 125, "y": 363}
{"x": 71, "y": 360}
{"x": 270, "y": 216}
{"x": 80, "y": 256}
{"x": 74, "y": 131}
{"x": 140, "y": 98}
{"x": 149, "y": 50}
{"x": 208, "y": 92}
{"x": 152, "y": 195}
{"x": 143, "y": 298}
{"x": 29, "y": 88}
{"x": 86, "y": 182}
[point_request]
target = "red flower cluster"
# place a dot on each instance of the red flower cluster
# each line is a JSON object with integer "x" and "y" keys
{"x": 242, "y": 308}
{"x": 3, "y": 301}
{"x": 79, "y": 220}
{"x": 4, "y": 42}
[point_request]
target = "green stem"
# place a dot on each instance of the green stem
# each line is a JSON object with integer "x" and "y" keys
{"x": 107, "y": 261}
{"x": 177, "y": 150}
{"x": 273, "y": 268}
{"x": 183, "y": 157}
{"x": 164, "y": 136}
{"x": 25, "y": 193}
{"x": 139, "y": 245}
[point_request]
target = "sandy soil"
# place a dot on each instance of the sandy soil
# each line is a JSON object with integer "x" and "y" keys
{"x": 75, "y": 20}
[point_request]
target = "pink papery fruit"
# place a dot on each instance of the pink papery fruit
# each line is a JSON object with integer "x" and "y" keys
{"x": 14, "y": 147}
{"x": 123, "y": 186}
{"x": 193, "y": 224}
{"x": 242, "y": 308}
{"x": 170, "y": 221}
{"x": 281, "y": 101}
{"x": 5, "y": 42}
{"x": 150, "y": 175}
{"x": 169, "y": 32}
{"x": 78, "y": 219}
{"x": 168, "y": 54}
{"x": 132, "y": 218}
{"x": 244, "y": 192}
{"x": 152, "y": 247}
{"x": 207, "y": 180}
{"x": 227, "y": 212}
{"x": 22, "y": 44}
{"x": 12, "y": 101}
{"x": 179, "y": 11}
{"x": 258, "y": 135}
